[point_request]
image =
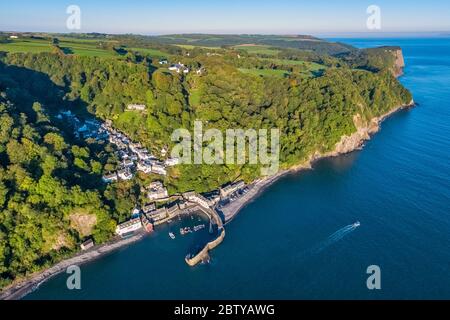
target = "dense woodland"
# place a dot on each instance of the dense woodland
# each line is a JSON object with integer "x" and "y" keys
{"x": 51, "y": 194}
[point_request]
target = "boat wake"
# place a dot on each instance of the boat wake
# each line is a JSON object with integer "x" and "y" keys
{"x": 335, "y": 237}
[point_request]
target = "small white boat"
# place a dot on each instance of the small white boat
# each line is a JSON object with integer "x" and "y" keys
{"x": 356, "y": 224}
{"x": 199, "y": 227}
{"x": 171, "y": 235}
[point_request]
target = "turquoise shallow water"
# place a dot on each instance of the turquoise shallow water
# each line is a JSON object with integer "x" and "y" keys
{"x": 294, "y": 242}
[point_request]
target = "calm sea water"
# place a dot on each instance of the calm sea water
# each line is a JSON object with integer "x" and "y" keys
{"x": 293, "y": 241}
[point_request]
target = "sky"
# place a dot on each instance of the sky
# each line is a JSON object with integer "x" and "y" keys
{"x": 230, "y": 16}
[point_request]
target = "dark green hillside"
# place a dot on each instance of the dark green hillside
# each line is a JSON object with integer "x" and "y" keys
{"x": 312, "y": 113}
{"x": 47, "y": 181}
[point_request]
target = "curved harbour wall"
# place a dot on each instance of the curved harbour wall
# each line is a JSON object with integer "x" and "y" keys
{"x": 204, "y": 253}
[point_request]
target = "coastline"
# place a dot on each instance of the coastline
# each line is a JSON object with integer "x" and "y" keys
{"x": 356, "y": 142}
{"x": 22, "y": 287}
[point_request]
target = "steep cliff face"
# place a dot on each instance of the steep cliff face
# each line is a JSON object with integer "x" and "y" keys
{"x": 395, "y": 59}
{"x": 399, "y": 63}
{"x": 356, "y": 140}
{"x": 364, "y": 130}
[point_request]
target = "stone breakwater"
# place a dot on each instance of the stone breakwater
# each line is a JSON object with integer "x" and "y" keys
{"x": 203, "y": 255}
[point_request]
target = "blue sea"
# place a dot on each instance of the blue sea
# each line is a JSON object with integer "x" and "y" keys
{"x": 295, "y": 241}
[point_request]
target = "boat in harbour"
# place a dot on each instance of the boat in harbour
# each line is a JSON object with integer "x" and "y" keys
{"x": 185, "y": 230}
{"x": 171, "y": 235}
{"x": 199, "y": 227}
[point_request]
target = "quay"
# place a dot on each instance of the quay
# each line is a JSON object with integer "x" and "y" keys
{"x": 203, "y": 255}
{"x": 191, "y": 208}
{"x": 230, "y": 210}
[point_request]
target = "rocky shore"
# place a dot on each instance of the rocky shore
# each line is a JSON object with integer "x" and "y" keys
{"x": 346, "y": 145}
{"x": 21, "y": 288}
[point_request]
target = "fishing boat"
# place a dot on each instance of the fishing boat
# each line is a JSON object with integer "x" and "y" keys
{"x": 185, "y": 230}
{"x": 199, "y": 227}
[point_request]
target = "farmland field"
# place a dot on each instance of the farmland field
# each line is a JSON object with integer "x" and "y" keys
{"x": 191, "y": 47}
{"x": 257, "y": 49}
{"x": 26, "y": 46}
{"x": 265, "y": 72}
{"x": 151, "y": 52}
{"x": 312, "y": 66}
{"x": 82, "y": 47}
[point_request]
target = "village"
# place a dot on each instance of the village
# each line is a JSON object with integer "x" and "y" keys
{"x": 133, "y": 156}
{"x": 161, "y": 207}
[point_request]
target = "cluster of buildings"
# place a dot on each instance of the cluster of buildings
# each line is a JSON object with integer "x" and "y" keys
{"x": 134, "y": 157}
{"x": 149, "y": 216}
{"x": 231, "y": 188}
{"x": 197, "y": 198}
{"x": 187, "y": 202}
{"x": 83, "y": 129}
{"x": 136, "y": 107}
{"x": 157, "y": 192}
{"x": 179, "y": 68}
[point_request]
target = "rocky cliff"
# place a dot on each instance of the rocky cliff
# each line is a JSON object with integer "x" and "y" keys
{"x": 399, "y": 63}
{"x": 364, "y": 129}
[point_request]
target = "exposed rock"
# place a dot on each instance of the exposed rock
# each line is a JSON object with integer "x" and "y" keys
{"x": 83, "y": 222}
{"x": 399, "y": 63}
{"x": 363, "y": 132}
{"x": 61, "y": 241}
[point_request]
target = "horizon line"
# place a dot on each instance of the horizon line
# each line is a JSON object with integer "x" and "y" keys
{"x": 156, "y": 34}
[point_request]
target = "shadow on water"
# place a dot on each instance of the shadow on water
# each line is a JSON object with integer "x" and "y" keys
{"x": 338, "y": 164}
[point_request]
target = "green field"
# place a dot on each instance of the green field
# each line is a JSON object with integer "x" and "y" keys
{"x": 312, "y": 66}
{"x": 195, "y": 97}
{"x": 150, "y": 52}
{"x": 265, "y": 72}
{"x": 307, "y": 69}
{"x": 86, "y": 49}
{"x": 82, "y": 47}
{"x": 32, "y": 46}
{"x": 310, "y": 69}
{"x": 190, "y": 47}
{"x": 257, "y": 49}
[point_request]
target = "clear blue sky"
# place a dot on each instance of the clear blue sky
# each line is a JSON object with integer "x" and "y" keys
{"x": 219, "y": 16}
